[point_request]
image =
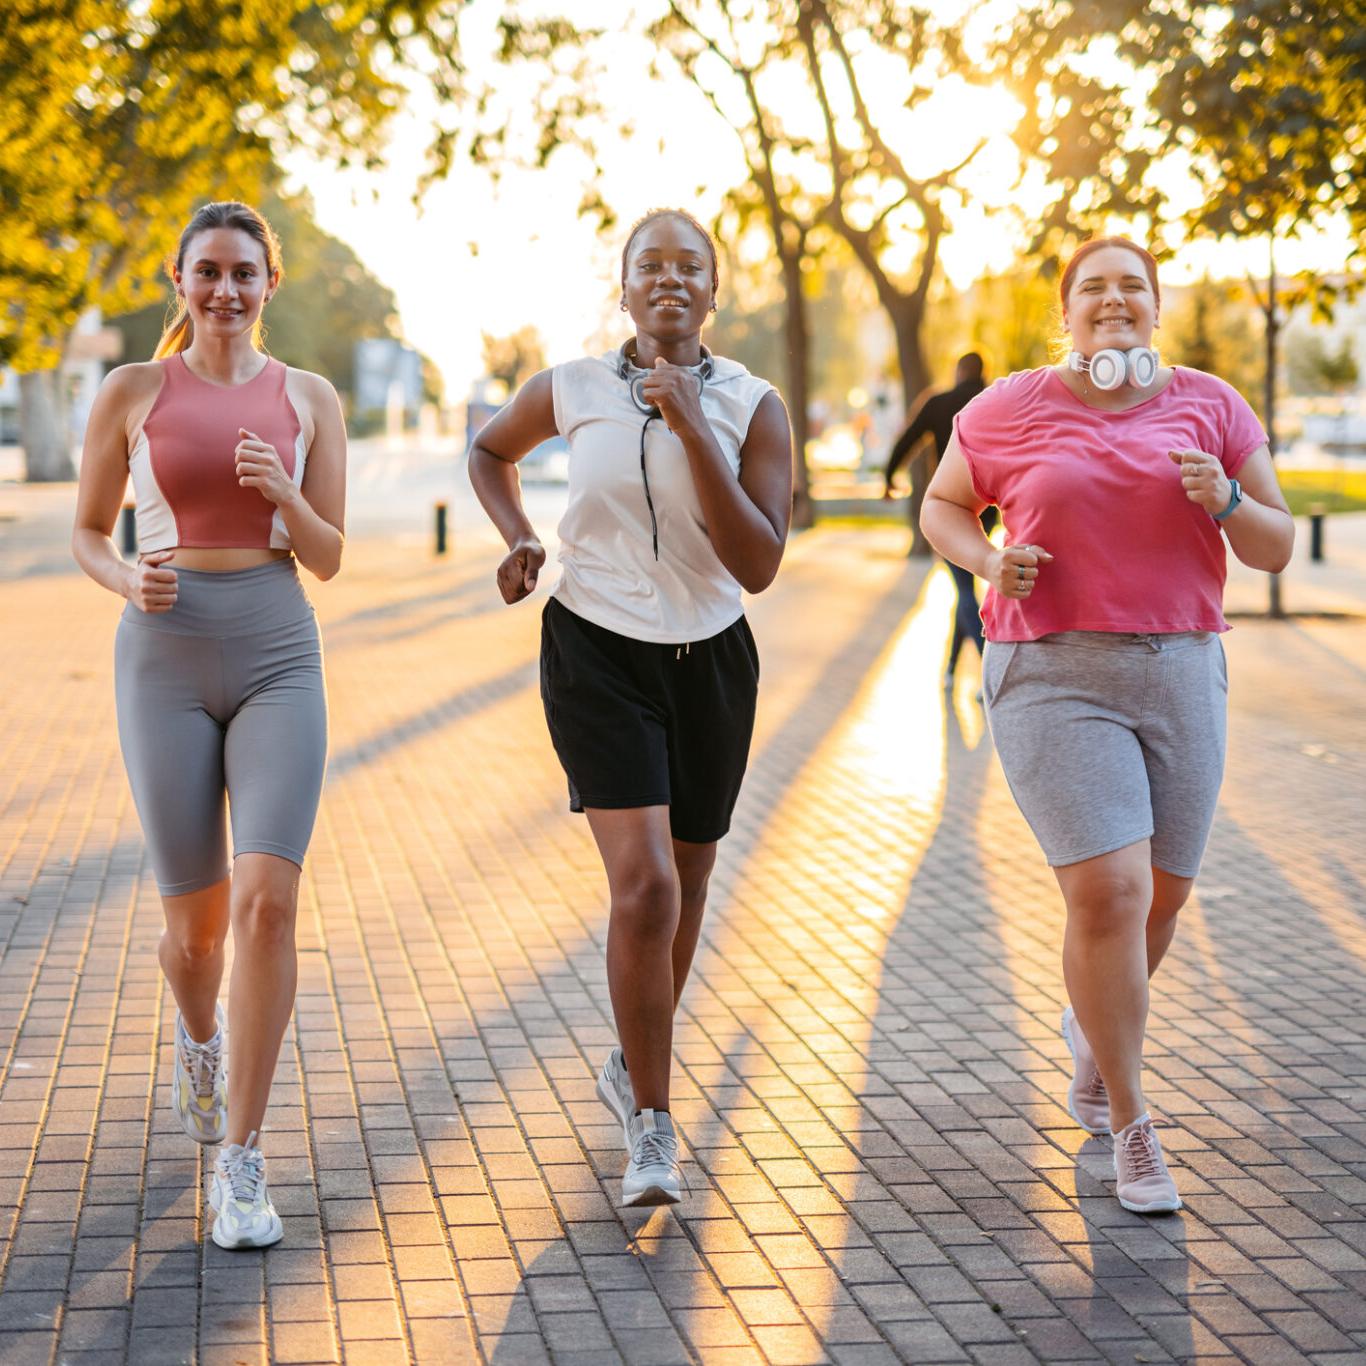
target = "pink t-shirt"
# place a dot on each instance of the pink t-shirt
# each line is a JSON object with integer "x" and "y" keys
{"x": 1099, "y": 492}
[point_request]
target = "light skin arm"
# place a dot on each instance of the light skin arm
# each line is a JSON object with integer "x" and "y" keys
{"x": 949, "y": 517}
{"x": 747, "y": 519}
{"x": 312, "y": 512}
{"x": 150, "y": 584}
{"x": 1260, "y": 529}
{"x": 508, "y": 435}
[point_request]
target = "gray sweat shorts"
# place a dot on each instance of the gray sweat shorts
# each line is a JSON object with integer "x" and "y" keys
{"x": 1109, "y": 739}
{"x": 221, "y": 704}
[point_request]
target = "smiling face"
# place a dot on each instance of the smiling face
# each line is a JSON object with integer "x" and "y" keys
{"x": 224, "y": 280}
{"x": 669, "y": 283}
{"x": 1111, "y": 302}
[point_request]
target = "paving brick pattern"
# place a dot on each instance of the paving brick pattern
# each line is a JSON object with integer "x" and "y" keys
{"x": 868, "y": 1065}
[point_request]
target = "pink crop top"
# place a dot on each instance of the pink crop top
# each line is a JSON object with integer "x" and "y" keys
{"x": 183, "y": 465}
{"x": 1097, "y": 490}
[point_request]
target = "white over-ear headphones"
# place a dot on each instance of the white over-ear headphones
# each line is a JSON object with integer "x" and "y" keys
{"x": 1112, "y": 368}
{"x": 635, "y": 376}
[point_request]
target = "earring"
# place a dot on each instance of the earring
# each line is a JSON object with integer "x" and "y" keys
{"x": 713, "y": 305}
{"x": 622, "y": 305}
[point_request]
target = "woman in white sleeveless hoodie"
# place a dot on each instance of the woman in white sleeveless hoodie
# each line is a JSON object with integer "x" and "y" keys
{"x": 680, "y": 491}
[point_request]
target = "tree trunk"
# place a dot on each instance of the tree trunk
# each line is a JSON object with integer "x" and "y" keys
{"x": 42, "y": 428}
{"x": 907, "y": 316}
{"x": 798, "y": 339}
{"x": 1275, "y": 607}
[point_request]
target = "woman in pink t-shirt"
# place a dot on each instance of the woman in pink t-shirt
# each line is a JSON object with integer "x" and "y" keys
{"x": 1118, "y": 480}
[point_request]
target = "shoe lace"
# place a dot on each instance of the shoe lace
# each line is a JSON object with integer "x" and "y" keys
{"x": 1141, "y": 1153}
{"x": 1093, "y": 1088}
{"x": 651, "y": 1149}
{"x": 244, "y": 1169}
{"x": 201, "y": 1061}
{"x": 655, "y": 1148}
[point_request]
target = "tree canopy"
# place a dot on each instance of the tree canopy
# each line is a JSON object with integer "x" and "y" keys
{"x": 117, "y": 119}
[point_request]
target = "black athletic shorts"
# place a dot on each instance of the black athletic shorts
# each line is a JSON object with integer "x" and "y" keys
{"x": 636, "y": 723}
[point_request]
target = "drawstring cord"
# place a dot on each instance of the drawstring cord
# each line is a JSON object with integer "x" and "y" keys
{"x": 683, "y": 650}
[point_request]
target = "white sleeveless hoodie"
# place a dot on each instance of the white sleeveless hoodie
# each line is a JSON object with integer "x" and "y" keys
{"x": 609, "y": 572}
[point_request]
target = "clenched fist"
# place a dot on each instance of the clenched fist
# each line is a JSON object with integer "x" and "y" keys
{"x": 1013, "y": 571}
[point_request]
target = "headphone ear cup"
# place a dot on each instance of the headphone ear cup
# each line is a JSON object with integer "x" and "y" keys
{"x": 1143, "y": 365}
{"x": 638, "y": 396}
{"x": 1109, "y": 369}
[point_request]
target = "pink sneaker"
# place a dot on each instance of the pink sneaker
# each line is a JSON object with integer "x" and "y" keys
{"x": 1142, "y": 1181}
{"x": 1087, "y": 1100}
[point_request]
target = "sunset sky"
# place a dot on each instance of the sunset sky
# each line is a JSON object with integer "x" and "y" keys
{"x": 477, "y": 257}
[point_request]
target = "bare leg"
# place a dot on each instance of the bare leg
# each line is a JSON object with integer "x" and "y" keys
{"x": 1170, "y": 894}
{"x": 637, "y": 852}
{"x": 191, "y": 954}
{"x": 1105, "y": 965}
{"x": 694, "y": 863}
{"x": 265, "y": 973}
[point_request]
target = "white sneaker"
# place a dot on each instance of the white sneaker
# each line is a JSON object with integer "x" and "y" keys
{"x": 1088, "y": 1102}
{"x": 1142, "y": 1181}
{"x": 199, "y": 1088}
{"x": 616, "y": 1092}
{"x": 237, "y": 1193}
{"x": 653, "y": 1175}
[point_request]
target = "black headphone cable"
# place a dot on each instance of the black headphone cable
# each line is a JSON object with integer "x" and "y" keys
{"x": 645, "y": 479}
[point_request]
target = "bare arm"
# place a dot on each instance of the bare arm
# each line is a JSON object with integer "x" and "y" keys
{"x": 104, "y": 477}
{"x": 949, "y": 517}
{"x": 747, "y": 518}
{"x": 1260, "y": 529}
{"x": 314, "y": 513}
{"x": 508, "y": 435}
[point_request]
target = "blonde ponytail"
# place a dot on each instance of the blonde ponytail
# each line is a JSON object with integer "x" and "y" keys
{"x": 179, "y": 333}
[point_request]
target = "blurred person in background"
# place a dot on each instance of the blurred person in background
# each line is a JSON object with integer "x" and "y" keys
{"x": 934, "y": 418}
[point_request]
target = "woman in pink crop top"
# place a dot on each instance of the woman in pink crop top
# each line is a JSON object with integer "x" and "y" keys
{"x": 238, "y": 464}
{"x": 1118, "y": 480}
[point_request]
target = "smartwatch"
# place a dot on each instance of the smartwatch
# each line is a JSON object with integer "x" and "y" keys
{"x": 1235, "y": 496}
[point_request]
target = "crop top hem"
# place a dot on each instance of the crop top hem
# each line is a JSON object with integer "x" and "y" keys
{"x": 1143, "y": 628}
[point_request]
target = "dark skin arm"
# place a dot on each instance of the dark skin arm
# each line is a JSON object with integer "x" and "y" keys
{"x": 747, "y": 519}
{"x": 504, "y": 439}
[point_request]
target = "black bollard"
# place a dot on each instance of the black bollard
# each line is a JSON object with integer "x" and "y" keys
{"x": 441, "y": 528}
{"x": 1316, "y": 536}
{"x": 128, "y": 528}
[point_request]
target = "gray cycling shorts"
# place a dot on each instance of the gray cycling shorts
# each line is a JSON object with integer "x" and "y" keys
{"x": 220, "y": 701}
{"x": 1107, "y": 740}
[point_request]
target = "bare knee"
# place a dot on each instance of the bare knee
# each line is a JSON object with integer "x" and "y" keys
{"x": 1108, "y": 901}
{"x": 692, "y": 888}
{"x": 263, "y": 919}
{"x": 192, "y": 946}
{"x": 645, "y": 904}
{"x": 1170, "y": 895}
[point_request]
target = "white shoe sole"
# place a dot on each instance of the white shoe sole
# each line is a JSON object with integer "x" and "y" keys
{"x": 651, "y": 1195}
{"x": 273, "y": 1234}
{"x": 1071, "y": 1104}
{"x": 1155, "y": 1207}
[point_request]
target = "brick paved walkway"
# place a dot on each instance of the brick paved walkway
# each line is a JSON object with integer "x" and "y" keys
{"x": 868, "y": 1064}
